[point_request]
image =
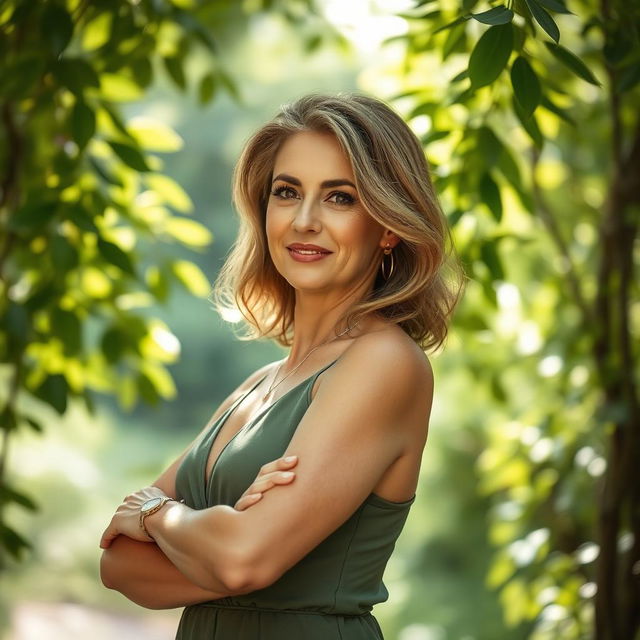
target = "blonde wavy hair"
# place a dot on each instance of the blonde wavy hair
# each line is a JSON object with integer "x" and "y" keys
{"x": 393, "y": 183}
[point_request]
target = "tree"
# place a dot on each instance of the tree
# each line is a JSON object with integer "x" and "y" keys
{"x": 514, "y": 120}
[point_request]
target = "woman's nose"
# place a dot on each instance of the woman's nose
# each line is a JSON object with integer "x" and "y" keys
{"x": 306, "y": 216}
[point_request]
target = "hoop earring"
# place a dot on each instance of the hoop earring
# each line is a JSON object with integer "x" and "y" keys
{"x": 387, "y": 251}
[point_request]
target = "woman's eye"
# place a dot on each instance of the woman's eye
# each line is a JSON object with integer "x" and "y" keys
{"x": 343, "y": 198}
{"x": 284, "y": 192}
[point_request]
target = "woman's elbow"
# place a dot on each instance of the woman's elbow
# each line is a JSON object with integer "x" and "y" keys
{"x": 237, "y": 574}
{"x": 107, "y": 573}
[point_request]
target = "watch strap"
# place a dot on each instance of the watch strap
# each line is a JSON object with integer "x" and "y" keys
{"x": 144, "y": 514}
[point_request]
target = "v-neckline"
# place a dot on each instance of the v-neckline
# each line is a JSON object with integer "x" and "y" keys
{"x": 225, "y": 416}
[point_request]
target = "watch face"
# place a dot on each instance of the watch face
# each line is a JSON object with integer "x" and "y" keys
{"x": 149, "y": 504}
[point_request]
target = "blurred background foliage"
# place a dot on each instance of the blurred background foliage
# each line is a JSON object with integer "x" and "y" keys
{"x": 120, "y": 127}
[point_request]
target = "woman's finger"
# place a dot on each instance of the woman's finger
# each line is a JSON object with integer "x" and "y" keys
{"x": 246, "y": 501}
{"x": 110, "y": 533}
{"x": 264, "y": 483}
{"x": 279, "y": 463}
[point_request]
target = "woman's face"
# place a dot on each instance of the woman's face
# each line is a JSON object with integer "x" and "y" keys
{"x": 314, "y": 201}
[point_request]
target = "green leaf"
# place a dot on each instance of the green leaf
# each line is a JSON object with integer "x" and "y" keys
{"x": 193, "y": 26}
{"x": 489, "y": 291}
{"x": 160, "y": 378}
{"x": 8, "y": 420}
{"x": 76, "y": 74}
{"x": 114, "y": 344}
{"x": 81, "y": 219}
{"x": 489, "y": 254}
{"x": 454, "y": 38}
{"x": 191, "y": 276}
{"x": 173, "y": 65}
{"x": 572, "y": 62}
{"x": 455, "y": 216}
{"x": 154, "y": 135}
{"x": 147, "y": 389}
{"x": 117, "y": 87}
{"x": 17, "y": 80}
{"x": 206, "y": 88}
{"x": 13, "y": 542}
{"x": 555, "y": 5}
{"x": 188, "y": 232}
{"x": 490, "y": 55}
{"x": 554, "y": 108}
{"x": 489, "y": 145}
{"x": 490, "y": 195}
{"x": 509, "y": 168}
{"x": 16, "y": 322}
{"x": 129, "y": 155}
{"x": 424, "y": 109}
{"x": 116, "y": 120}
{"x": 64, "y": 254}
{"x": 97, "y": 31}
{"x": 229, "y": 84}
{"x": 457, "y": 21}
{"x": 103, "y": 173}
{"x": 57, "y": 28}
{"x": 40, "y": 297}
{"x": 158, "y": 282}
{"x": 497, "y": 15}
{"x": 526, "y": 86}
{"x": 115, "y": 255}
{"x": 529, "y": 124}
{"x": 170, "y": 191}
{"x": 544, "y": 19}
{"x": 433, "y": 136}
{"x": 83, "y": 123}
{"x": 66, "y": 326}
{"x": 54, "y": 391}
{"x": 142, "y": 71}
{"x": 32, "y": 216}
{"x": 35, "y": 425}
{"x": 8, "y": 494}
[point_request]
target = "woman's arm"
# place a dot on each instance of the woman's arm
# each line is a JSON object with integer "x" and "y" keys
{"x": 345, "y": 442}
{"x": 142, "y": 572}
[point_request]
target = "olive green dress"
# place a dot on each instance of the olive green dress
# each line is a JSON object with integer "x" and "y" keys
{"x": 330, "y": 592}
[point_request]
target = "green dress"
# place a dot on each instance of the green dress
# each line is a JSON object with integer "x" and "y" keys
{"x": 330, "y": 592}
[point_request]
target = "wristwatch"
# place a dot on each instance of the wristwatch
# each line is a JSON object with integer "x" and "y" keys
{"x": 151, "y": 506}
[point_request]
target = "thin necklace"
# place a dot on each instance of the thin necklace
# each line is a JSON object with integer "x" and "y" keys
{"x": 273, "y": 386}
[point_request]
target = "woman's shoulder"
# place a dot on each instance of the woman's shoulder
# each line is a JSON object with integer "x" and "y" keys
{"x": 389, "y": 345}
{"x": 255, "y": 377}
{"x": 386, "y": 355}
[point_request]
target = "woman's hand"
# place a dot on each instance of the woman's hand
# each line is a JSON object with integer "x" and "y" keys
{"x": 126, "y": 520}
{"x": 271, "y": 474}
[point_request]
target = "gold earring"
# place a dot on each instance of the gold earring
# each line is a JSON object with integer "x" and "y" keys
{"x": 387, "y": 251}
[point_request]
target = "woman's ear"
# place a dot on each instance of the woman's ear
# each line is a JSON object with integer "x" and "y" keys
{"x": 390, "y": 238}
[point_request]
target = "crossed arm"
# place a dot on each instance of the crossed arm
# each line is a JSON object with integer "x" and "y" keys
{"x": 142, "y": 572}
{"x": 344, "y": 443}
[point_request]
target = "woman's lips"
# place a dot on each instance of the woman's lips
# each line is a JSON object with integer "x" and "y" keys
{"x": 299, "y": 256}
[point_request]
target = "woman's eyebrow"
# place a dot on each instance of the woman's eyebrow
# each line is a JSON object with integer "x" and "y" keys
{"x": 327, "y": 184}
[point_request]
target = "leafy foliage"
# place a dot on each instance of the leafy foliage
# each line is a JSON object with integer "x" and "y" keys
{"x": 550, "y": 262}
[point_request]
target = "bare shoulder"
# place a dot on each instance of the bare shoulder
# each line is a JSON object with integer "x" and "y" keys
{"x": 386, "y": 369}
{"x": 387, "y": 357}
{"x": 242, "y": 388}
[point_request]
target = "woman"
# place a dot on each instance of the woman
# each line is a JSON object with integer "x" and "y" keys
{"x": 341, "y": 257}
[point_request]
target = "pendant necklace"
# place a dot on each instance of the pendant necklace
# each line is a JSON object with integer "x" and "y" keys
{"x": 273, "y": 386}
